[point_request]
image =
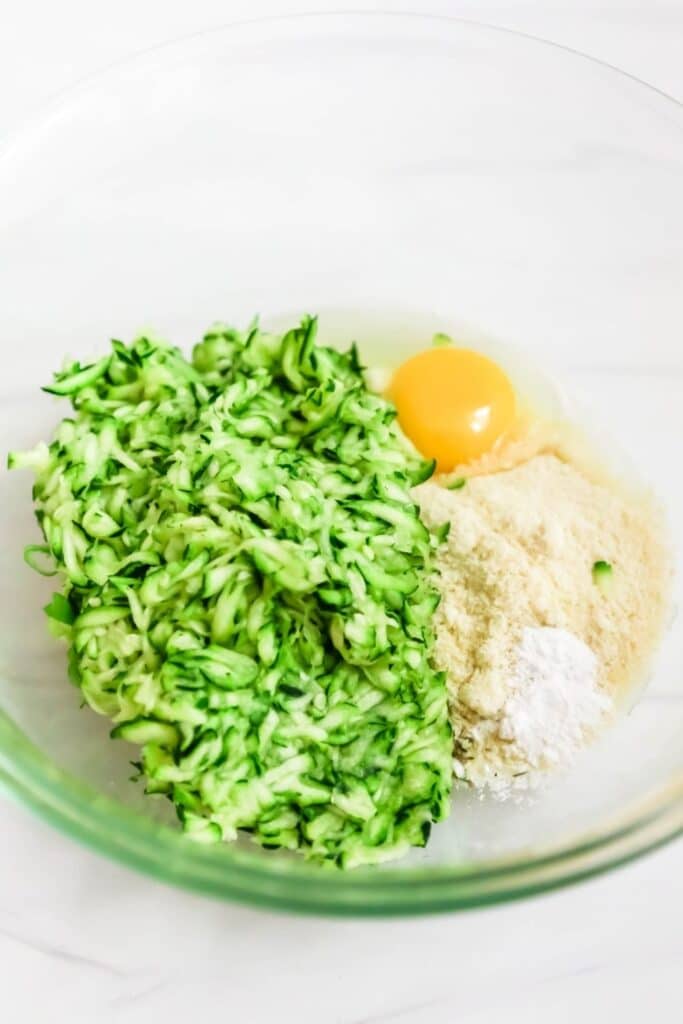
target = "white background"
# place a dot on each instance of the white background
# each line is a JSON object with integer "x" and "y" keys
{"x": 85, "y": 940}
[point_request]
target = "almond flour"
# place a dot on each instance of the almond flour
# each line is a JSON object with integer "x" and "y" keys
{"x": 519, "y": 556}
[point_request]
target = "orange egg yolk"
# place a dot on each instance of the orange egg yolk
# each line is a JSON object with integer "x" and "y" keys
{"x": 453, "y": 404}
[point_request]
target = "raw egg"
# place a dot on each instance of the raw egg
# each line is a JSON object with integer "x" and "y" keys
{"x": 454, "y": 404}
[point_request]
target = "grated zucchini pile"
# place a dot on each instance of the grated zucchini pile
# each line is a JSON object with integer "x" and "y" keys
{"x": 247, "y": 589}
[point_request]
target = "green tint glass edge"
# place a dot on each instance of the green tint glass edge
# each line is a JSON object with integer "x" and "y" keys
{"x": 235, "y": 874}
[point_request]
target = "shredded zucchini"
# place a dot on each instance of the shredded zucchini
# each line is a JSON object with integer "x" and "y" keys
{"x": 602, "y": 575}
{"x": 247, "y": 589}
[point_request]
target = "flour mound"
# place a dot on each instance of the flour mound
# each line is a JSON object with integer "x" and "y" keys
{"x": 519, "y": 556}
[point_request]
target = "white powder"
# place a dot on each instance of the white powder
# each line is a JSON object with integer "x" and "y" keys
{"x": 554, "y": 703}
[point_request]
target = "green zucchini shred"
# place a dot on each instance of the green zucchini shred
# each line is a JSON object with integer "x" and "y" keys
{"x": 602, "y": 573}
{"x": 38, "y": 558}
{"x": 247, "y": 589}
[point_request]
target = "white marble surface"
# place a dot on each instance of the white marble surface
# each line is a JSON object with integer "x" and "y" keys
{"x": 85, "y": 940}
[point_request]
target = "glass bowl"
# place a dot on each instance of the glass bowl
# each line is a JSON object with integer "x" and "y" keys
{"x": 399, "y": 175}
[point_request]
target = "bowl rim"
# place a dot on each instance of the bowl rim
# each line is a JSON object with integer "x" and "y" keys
{"x": 41, "y": 112}
{"x": 232, "y": 872}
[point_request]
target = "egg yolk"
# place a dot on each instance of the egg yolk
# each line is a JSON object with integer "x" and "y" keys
{"x": 453, "y": 404}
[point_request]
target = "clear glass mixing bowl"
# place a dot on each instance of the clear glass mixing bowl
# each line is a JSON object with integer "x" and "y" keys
{"x": 386, "y": 167}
